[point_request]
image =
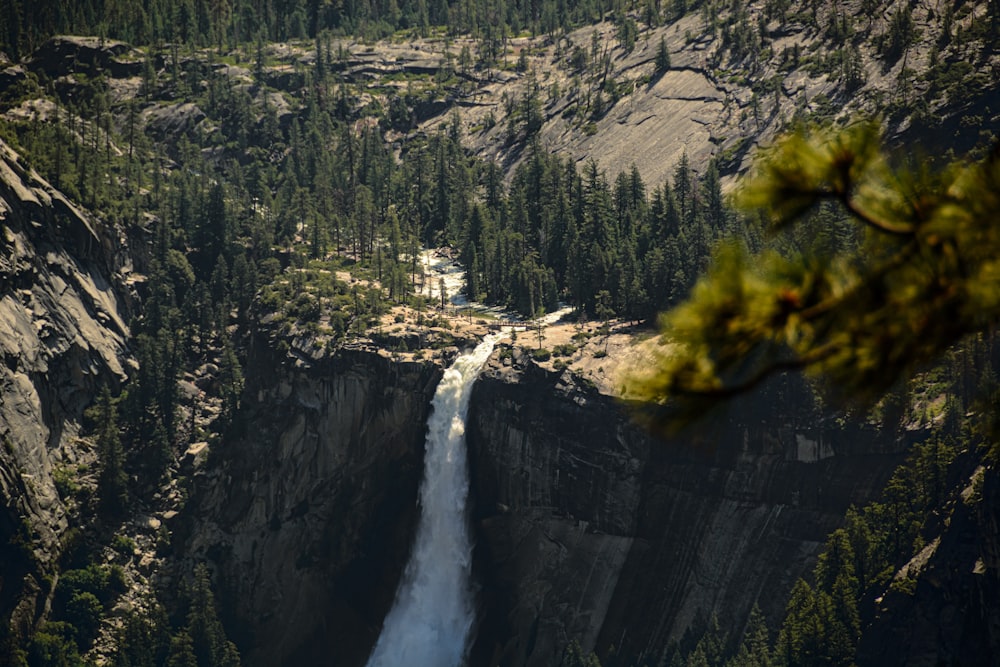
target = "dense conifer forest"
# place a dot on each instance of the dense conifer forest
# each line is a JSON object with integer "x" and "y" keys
{"x": 225, "y": 24}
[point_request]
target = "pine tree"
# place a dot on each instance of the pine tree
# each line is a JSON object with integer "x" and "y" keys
{"x": 574, "y": 656}
{"x": 144, "y": 640}
{"x": 208, "y": 642}
{"x": 112, "y": 481}
{"x": 683, "y": 189}
{"x": 755, "y": 649}
{"x": 182, "y": 651}
{"x": 230, "y": 380}
{"x": 714, "y": 208}
{"x": 662, "y": 62}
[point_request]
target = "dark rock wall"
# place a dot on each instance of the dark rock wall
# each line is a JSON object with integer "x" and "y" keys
{"x": 590, "y": 529}
{"x": 587, "y": 528}
{"x": 307, "y": 511}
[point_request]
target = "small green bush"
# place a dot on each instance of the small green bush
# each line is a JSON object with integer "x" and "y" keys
{"x": 54, "y": 644}
{"x": 84, "y": 612}
{"x": 123, "y": 545}
{"x": 541, "y": 354}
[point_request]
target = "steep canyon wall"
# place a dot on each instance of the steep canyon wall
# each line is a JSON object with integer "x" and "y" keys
{"x": 307, "y": 510}
{"x": 591, "y": 530}
{"x": 587, "y": 528}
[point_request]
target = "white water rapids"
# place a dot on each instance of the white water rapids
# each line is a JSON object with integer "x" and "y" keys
{"x": 430, "y": 620}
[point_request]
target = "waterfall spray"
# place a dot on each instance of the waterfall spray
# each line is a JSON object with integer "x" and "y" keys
{"x": 432, "y": 615}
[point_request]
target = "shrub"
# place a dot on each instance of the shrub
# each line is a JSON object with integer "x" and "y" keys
{"x": 123, "y": 545}
{"x": 84, "y": 612}
{"x": 541, "y": 354}
{"x": 54, "y": 644}
{"x": 66, "y": 483}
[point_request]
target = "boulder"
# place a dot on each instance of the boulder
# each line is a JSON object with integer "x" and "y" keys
{"x": 170, "y": 122}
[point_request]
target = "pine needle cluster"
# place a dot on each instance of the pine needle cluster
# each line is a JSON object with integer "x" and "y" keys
{"x": 925, "y": 273}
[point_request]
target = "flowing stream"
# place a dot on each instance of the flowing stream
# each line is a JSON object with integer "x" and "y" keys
{"x": 431, "y": 618}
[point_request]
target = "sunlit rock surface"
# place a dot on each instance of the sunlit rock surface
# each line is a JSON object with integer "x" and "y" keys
{"x": 63, "y": 307}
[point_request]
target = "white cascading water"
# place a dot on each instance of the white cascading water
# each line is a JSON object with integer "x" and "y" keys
{"x": 431, "y": 618}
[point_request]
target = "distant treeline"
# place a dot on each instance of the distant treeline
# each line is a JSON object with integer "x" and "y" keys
{"x": 24, "y": 25}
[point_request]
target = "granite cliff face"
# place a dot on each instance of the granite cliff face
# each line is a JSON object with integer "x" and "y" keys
{"x": 587, "y": 528}
{"x": 307, "y": 511}
{"x": 591, "y": 530}
{"x": 63, "y": 307}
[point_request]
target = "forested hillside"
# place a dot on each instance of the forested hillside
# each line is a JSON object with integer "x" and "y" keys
{"x": 226, "y": 25}
{"x": 278, "y": 166}
{"x": 299, "y": 138}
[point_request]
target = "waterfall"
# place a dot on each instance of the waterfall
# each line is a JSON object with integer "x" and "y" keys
{"x": 432, "y": 615}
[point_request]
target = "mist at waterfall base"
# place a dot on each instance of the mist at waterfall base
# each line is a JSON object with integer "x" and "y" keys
{"x": 431, "y": 618}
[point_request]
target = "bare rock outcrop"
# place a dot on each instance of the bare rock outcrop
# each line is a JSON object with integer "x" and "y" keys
{"x": 62, "y": 335}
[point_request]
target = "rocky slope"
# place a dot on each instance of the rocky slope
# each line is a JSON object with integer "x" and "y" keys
{"x": 948, "y": 614}
{"x": 63, "y": 333}
{"x": 738, "y": 75}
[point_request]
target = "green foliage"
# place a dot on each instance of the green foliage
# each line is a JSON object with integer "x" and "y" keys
{"x": 81, "y": 600}
{"x": 541, "y": 354}
{"x": 97, "y": 580}
{"x": 754, "y": 649}
{"x": 900, "y": 34}
{"x": 84, "y": 612}
{"x": 54, "y": 645}
{"x": 922, "y": 278}
{"x": 326, "y": 187}
{"x": 558, "y": 232}
{"x": 143, "y": 640}
{"x": 199, "y": 640}
{"x": 182, "y": 651}
{"x": 231, "y": 381}
{"x": 626, "y": 32}
{"x": 66, "y": 483}
{"x": 573, "y": 656}
{"x": 662, "y": 62}
{"x": 112, "y": 480}
{"x": 123, "y": 544}
{"x": 811, "y": 634}
{"x": 208, "y": 641}
{"x": 822, "y": 623}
